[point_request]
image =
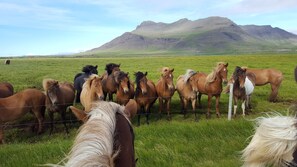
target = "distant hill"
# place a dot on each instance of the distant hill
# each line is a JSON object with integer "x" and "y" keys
{"x": 213, "y": 35}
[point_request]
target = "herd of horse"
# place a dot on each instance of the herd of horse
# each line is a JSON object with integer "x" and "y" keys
{"x": 91, "y": 90}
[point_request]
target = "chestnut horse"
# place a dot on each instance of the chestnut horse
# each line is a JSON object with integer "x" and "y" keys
{"x": 274, "y": 143}
{"x": 92, "y": 91}
{"x": 243, "y": 88}
{"x": 108, "y": 82}
{"x": 265, "y": 76}
{"x": 165, "y": 90}
{"x": 59, "y": 96}
{"x": 145, "y": 94}
{"x": 6, "y": 89}
{"x": 80, "y": 78}
{"x": 19, "y": 104}
{"x": 105, "y": 139}
{"x": 125, "y": 88}
{"x": 211, "y": 85}
{"x": 187, "y": 89}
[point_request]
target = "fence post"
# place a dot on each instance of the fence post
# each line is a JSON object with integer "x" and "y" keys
{"x": 230, "y": 102}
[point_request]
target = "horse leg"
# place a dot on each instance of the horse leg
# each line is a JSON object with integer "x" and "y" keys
{"x": 194, "y": 108}
{"x": 147, "y": 113}
{"x": 168, "y": 108}
{"x": 51, "y": 115}
{"x": 78, "y": 96}
{"x": 243, "y": 107}
{"x": 160, "y": 107}
{"x": 199, "y": 100}
{"x": 1, "y": 134}
{"x": 208, "y": 107}
{"x": 274, "y": 92}
{"x": 185, "y": 102}
{"x": 105, "y": 95}
{"x": 110, "y": 98}
{"x": 235, "y": 106}
{"x": 63, "y": 116}
{"x": 217, "y": 106}
{"x": 182, "y": 105}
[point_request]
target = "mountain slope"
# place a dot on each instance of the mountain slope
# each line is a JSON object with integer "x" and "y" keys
{"x": 204, "y": 36}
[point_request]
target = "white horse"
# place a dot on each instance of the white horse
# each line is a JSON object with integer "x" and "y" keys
{"x": 273, "y": 143}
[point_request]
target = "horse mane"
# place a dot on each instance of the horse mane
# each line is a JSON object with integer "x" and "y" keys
{"x": 138, "y": 76}
{"x": 94, "y": 143}
{"x": 48, "y": 83}
{"x": 189, "y": 73}
{"x": 121, "y": 75}
{"x": 212, "y": 76}
{"x": 87, "y": 83}
{"x": 109, "y": 67}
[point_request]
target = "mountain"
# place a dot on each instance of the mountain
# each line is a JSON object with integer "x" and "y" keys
{"x": 212, "y": 35}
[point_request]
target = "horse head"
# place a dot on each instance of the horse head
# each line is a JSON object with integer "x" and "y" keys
{"x": 122, "y": 80}
{"x": 51, "y": 88}
{"x": 141, "y": 82}
{"x": 222, "y": 71}
{"x": 112, "y": 67}
{"x": 239, "y": 76}
{"x": 167, "y": 76}
{"x": 89, "y": 69}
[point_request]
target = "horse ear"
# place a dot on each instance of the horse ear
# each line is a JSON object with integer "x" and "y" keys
{"x": 145, "y": 73}
{"x": 131, "y": 109}
{"x": 79, "y": 114}
{"x": 226, "y": 65}
{"x": 96, "y": 66}
{"x": 172, "y": 70}
{"x": 119, "y": 64}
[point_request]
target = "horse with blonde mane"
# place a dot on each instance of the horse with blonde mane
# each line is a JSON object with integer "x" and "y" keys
{"x": 211, "y": 85}
{"x": 165, "y": 90}
{"x": 187, "y": 89}
{"x": 105, "y": 139}
{"x": 92, "y": 91}
{"x": 59, "y": 96}
{"x": 273, "y": 144}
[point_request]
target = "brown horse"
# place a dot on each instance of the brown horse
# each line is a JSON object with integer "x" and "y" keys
{"x": 91, "y": 91}
{"x": 17, "y": 105}
{"x": 105, "y": 139}
{"x": 125, "y": 88}
{"x": 243, "y": 88}
{"x": 59, "y": 96}
{"x": 187, "y": 89}
{"x": 165, "y": 90}
{"x": 108, "y": 82}
{"x": 265, "y": 76}
{"x": 145, "y": 94}
{"x": 211, "y": 85}
{"x": 7, "y": 62}
{"x": 6, "y": 89}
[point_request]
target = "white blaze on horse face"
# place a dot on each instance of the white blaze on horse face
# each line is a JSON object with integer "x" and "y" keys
{"x": 53, "y": 97}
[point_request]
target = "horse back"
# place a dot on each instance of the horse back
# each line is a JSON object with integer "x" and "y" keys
{"x": 264, "y": 76}
{"x": 67, "y": 92}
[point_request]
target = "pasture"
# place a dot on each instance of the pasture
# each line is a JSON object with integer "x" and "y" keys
{"x": 179, "y": 142}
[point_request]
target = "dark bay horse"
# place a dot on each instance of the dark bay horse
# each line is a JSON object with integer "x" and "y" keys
{"x": 6, "y": 89}
{"x": 59, "y": 96}
{"x": 165, "y": 90}
{"x": 264, "y": 76}
{"x": 108, "y": 82}
{"x": 105, "y": 139}
{"x": 187, "y": 89}
{"x": 80, "y": 78}
{"x": 274, "y": 143}
{"x": 145, "y": 94}
{"x": 125, "y": 88}
{"x": 92, "y": 91}
{"x": 19, "y": 104}
{"x": 243, "y": 88}
{"x": 7, "y": 62}
{"x": 211, "y": 85}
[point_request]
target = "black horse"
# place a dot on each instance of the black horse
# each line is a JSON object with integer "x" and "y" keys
{"x": 80, "y": 78}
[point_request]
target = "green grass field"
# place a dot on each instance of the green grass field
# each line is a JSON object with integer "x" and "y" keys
{"x": 181, "y": 142}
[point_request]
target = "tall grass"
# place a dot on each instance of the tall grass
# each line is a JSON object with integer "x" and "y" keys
{"x": 180, "y": 142}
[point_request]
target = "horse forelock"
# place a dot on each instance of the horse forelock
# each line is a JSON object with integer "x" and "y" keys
{"x": 89, "y": 68}
{"x": 48, "y": 83}
{"x": 94, "y": 143}
{"x": 212, "y": 76}
{"x": 138, "y": 76}
{"x": 109, "y": 67}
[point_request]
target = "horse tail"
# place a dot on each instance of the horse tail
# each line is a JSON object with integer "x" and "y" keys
{"x": 274, "y": 142}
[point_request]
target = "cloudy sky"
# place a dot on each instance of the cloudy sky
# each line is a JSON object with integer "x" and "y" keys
{"x": 42, "y": 27}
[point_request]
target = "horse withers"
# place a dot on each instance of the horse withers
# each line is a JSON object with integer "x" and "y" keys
{"x": 106, "y": 138}
{"x": 187, "y": 89}
{"x": 59, "y": 96}
{"x": 80, "y": 78}
{"x": 6, "y": 89}
{"x": 165, "y": 90}
{"x": 211, "y": 85}
{"x": 19, "y": 104}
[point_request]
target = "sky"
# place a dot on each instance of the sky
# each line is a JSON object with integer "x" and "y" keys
{"x": 50, "y": 27}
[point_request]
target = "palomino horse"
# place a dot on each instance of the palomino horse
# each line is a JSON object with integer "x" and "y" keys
{"x": 108, "y": 82}
{"x": 59, "y": 96}
{"x": 17, "y": 105}
{"x": 105, "y": 139}
{"x": 187, "y": 89}
{"x": 244, "y": 84}
{"x": 6, "y": 89}
{"x": 165, "y": 90}
{"x": 265, "y": 76}
{"x": 125, "y": 88}
{"x": 273, "y": 144}
{"x": 145, "y": 94}
{"x": 211, "y": 85}
{"x": 92, "y": 91}
{"x": 80, "y": 78}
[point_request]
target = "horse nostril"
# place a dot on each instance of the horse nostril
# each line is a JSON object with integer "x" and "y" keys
{"x": 101, "y": 97}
